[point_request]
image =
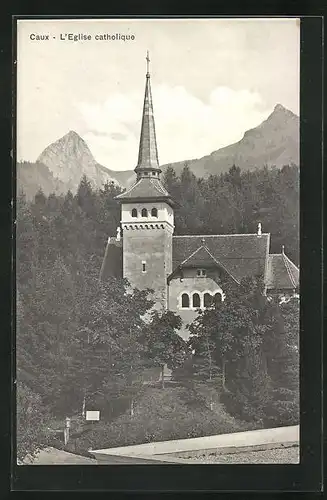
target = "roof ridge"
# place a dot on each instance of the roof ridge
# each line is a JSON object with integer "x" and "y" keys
{"x": 288, "y": 270}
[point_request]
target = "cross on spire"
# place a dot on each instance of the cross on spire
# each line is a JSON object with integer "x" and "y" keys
{"x": 147, "y": 64}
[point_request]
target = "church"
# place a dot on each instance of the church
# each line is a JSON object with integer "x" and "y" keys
{"x": 184, "y": 272}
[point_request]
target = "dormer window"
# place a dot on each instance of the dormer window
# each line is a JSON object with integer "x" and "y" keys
{"x": 154, "y": 212}
{"x": 201, "y": 273}
{"x": 134, "y": 212}
{"x": 144, "y": 212}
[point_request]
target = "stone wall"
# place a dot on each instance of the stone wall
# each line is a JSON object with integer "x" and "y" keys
{"x": 153, "y": 248}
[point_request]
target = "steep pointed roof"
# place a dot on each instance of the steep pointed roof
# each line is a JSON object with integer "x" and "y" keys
{"x": 148, "y": 151}
{"x": 147, "y": 186}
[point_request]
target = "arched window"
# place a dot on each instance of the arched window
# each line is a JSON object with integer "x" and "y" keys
{"x": 144, "y": 212}
{"x": 154, "y": 212}
{"x": 218, "y": 298}
{"x": 134, "y": 212}
{"x": 153, "y": 173}
{"x": 196, "y": 300}
{"x": 185, "y": 300}
{"x": 207, "y": 300}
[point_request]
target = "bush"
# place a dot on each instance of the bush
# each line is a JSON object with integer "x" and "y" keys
{"x": 32, "y": 422}
{"x": 281, "y": 409}
{"x": 160, "y": 415}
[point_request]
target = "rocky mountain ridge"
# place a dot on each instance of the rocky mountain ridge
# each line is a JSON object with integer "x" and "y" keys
{"x": 275, "y": 142}
{"x": 69, "y": 158}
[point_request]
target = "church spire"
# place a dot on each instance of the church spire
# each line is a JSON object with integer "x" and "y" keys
{"x": 148, "y": 163}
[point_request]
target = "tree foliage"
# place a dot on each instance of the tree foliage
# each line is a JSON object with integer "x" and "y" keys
{"x": 163, "y": 344}
{"x": 252, "y": 343}
{"x": 80, "y": 340}
{"x": 32, "y": 420}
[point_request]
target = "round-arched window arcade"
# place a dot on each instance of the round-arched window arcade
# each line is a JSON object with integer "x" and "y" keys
{"x": 208, "y": 299}
{"x": 218, "y": 298}
{"x": 196, "y": 300}
{"x": 144, "y": 212}
{"x": 154, "y": 212}
{"x": 134, "y": 212}
{"x": 185, "y": 300}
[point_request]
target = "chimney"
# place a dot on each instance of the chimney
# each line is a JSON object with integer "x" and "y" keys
{"x": 283, "y": 248}
{"x": 259, "y": 229}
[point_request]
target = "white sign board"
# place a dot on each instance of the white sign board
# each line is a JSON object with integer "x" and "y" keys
{"x": 92, "y": 415}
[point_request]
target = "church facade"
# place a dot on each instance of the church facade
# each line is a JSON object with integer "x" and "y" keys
{"x": 184, "y": 272}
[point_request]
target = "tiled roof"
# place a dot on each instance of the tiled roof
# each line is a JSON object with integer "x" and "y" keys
{"x": 281, "y": 273}
{"x": 145, "y": 189}
{"x": 202, "y": 257}
{"x": 241, "y": 255}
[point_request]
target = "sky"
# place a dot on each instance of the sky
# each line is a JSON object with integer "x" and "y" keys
{"x": 212, "y": 79}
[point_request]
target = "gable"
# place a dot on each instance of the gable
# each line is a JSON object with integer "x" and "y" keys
{"x": 200, "y": 257}
{"x": 203, "y": 258}
{"x": 242, "y": 255}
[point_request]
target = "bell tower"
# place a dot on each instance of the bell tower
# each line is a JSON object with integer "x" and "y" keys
{"x": 147, "y": 215}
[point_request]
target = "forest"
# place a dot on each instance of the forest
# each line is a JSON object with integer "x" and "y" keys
{"x": 83, "y": 343}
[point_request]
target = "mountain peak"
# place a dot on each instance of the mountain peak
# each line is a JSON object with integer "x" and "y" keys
{"x": 280, "y": 107}
{"x": 72, "y": 136}
{"x": 72, "y": 133}
{"x": 69, "y": 158}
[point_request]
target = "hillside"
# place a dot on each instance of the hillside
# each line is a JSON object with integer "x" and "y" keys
{"x": 124, "y": 177}
{"x": 34, "y": 176}
{"x": 275, "y": 142}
